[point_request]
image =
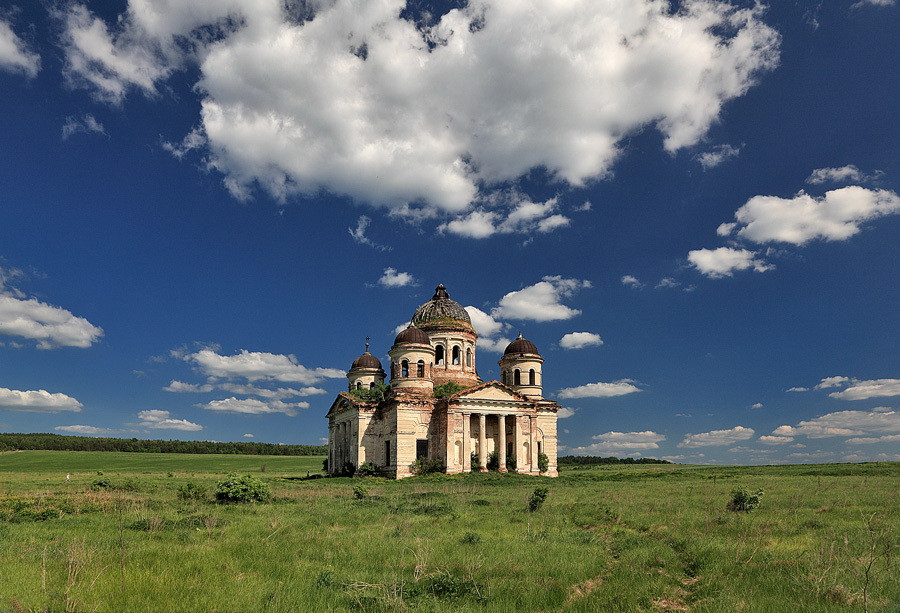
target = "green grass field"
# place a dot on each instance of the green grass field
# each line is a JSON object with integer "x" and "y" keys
{"x": 637, "y": 538}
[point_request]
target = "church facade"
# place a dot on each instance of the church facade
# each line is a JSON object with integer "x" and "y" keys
{"x": 437, "y": 407}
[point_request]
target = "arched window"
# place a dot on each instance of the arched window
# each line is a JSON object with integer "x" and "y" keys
{"x": 404, "y": 368}
{"x": 420, "y": 368}
{"x": 517, "y": 377}
{"x": 358, "y": 385}
{"x": 456, "y": 355}
{"x": 372, "y": 385}
{"x": 439, "y": 355}
{"x": 469, "y": 358}
{"x": 531, "y": 379}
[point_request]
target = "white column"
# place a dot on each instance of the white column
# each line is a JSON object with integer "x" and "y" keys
{"x": 482, "y": 441}
{"x": 466, "y": 435}
{"x": 517, "y": 445}
{"x": 501, "y": 442}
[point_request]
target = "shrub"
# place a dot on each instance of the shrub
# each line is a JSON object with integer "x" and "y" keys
{"x": 376, "y": 394}
{"x": 359, "y": 492}
{"x": 101, "y": 484}
{"x": 537, "y": 498}
{"x": 543, "y": 462}
{"x": 191, "y": 491}
{"x": 476, "y": 462}
{"x": 447, "y": 389}
{"x": 471, "y": 538}
{"x": 367, "y": 469}
{"x": 242, "y": 489}
{"x": 424, "y": 466}
{"x": 493, "y": 461}
{"x": 742, "y": 500}
{"x": 511, "y": 463}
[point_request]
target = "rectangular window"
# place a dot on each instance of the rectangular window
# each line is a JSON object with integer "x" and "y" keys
{"x": 422, "y": 448}
{"x": 387, "y": 453}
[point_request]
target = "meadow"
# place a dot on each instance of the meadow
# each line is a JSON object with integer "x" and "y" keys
{"x": 610, "y": 538}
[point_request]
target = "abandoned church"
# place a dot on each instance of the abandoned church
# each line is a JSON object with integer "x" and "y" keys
{"x": 437, "y": 410}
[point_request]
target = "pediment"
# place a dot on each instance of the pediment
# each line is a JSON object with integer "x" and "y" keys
{"x": 492, "y": 390}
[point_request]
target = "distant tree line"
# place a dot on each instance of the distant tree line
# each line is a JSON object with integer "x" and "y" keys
{"x": 586, "y": 460}
{"x": 58, "y": 442}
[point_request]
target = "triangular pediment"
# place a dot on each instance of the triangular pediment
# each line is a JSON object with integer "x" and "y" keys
{"x": 491, "y": 390}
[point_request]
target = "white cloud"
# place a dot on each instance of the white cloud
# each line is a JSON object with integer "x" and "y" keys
{"x": 247, "y": 436}
{"x": 489, "y": 330}
{"x": 49, "y": 325}
{"x": 775, "y": 440}
{"x": 252, "y": 406}
{"x": 192, "y": 140}
{"x": 797, "y": 389}
{"x": 829, "y": 382}
{"x": 244, "y": 389}
{"x": 876, "y": 388}
{"x": 630, "y": 281}
{"x": 359, "y": 234}
{"x": 834, "y": 217}
{"x": 845, "y": 423}
{"x": 524, "y": 217}
{"x": 717, "y": 437}
{"x": 392, "y": 112}
{"x": 862, "y": 3}
{"x": 565, "y": 412}
{"x": 667, "y": 282}
{"x": 601, "y": 390}
{"x": 717, "y": 155}
{"x": 160, "y": 420}
{"x": 888, "y": 438}
{"x": 37, "y": 401}
{"x": 14, "y": 53}
{"x": 86, "y": 430}
{"x": 256, "y": 365}
{"x": 402, "y": 327}
{"x": 620, "y": 441}
{"x": 541, "y": 301}
{"x": 844, "y": 174}
{"x": 757, "y": 405}
{"x": 722, "y": 262}
{"x": 86, "y": 124}
{"x": 392, "y": 278}
{"x": 580, "y": 340}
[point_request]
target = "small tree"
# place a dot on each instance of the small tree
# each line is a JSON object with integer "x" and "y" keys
{"x": 375, "y": 394}
{"x": 543, "y": 462}
{"x": 537, "y": 498}
{"x": 493, "y": 461}
{"x": 476, "y": 461}
{"x": 242, "y": 489}
{"x": 447, "y": 389}
{"x": 743, "y": 500}
{"x": 359, "y": 492}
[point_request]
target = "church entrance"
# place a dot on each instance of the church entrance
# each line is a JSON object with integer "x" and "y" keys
{"x": 422, "y": 448}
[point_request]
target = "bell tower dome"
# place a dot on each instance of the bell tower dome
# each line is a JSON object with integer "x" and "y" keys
{"x": 520, "y": 368}
{"x": 412, "y": 360}
{"x": 365, "y": 372}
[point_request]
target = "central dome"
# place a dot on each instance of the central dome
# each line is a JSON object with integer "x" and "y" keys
{"x": 441, "y": 310}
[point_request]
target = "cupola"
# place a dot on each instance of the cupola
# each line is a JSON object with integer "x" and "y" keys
{"x": 412, "y": 361}
{"x": 365, "y": 372}
{"x": 520, "y": 367}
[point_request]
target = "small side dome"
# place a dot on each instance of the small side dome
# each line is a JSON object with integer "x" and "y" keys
{"x": 521, "y": 345}
{"x": 366, "y": 360}
{"x": 412, "y": 335}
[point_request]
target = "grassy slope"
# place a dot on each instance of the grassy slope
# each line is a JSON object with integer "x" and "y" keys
{"x": 607, "y": 539}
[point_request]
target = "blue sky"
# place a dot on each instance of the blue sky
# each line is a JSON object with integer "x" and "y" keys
{"x": 691, "y": 208}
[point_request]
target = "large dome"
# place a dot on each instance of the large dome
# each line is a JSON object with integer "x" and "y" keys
{"x": 441, "y": 310}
